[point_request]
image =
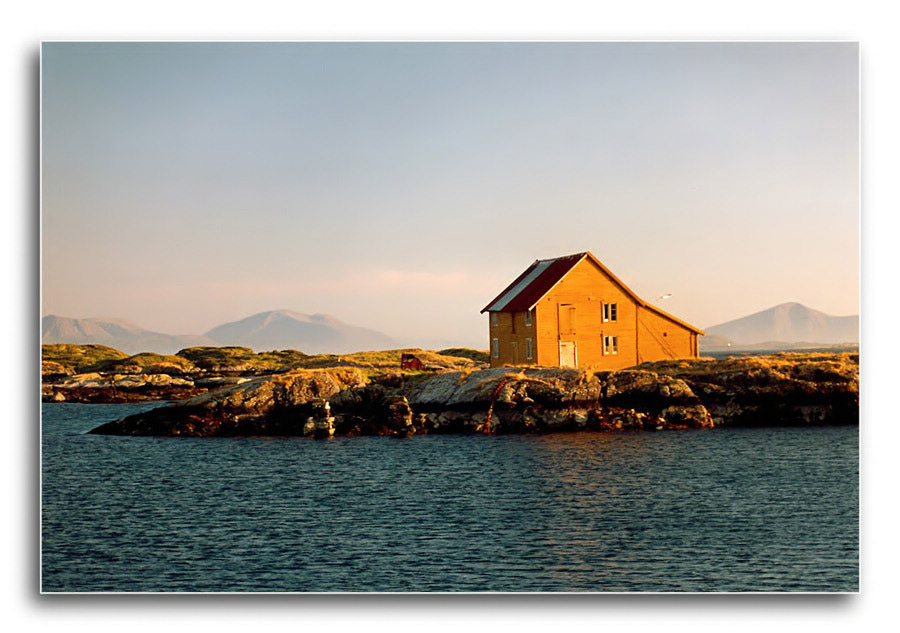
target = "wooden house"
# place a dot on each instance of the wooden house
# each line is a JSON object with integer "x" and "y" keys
{"x": 573, "y": 312}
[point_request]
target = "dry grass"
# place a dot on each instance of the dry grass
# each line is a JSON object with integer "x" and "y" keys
{"x": 79, "y": 358}
{"x": 145, "y": 360}
{"x": 239, "y": 357}
{"x": 477, "y": 355}
{"x": 345, "y": 375}
{"x": 385, "y": 361}
{"x": 815, "y": 366}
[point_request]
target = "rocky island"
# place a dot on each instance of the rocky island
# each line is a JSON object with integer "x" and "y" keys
{"x": 350, "y": 396}
{"x": 101, "y": 374}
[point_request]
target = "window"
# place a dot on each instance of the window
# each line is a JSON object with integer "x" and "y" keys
{"x": 494, "y": 319}
{"x": 529, "y": 352}
{"x": 528, "y": 321}
{"x": 610, "y": 345}
{"x": 610, "y": 312}
{"x": 495, "y": 347}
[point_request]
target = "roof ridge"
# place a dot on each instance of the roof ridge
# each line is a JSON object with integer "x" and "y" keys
{"x": 537, "y": 279}
{"x": 553, "y": 259}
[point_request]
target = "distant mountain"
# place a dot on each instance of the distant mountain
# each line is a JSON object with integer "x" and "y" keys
{"x": 116, "y": 333}
{"x": 278, "y": 329}
{"x": 310, "y": 333}
{"x": 789, "y": 325}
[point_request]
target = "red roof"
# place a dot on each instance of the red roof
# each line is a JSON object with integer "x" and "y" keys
{"x": 539, "y": 278}
{"x": 529, "y": 287}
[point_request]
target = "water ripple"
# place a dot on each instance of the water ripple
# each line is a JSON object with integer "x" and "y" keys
{"x": 722, "y": 510}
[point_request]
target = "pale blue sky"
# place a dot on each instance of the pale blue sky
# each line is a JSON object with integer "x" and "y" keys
{"x": 402, "y": 186}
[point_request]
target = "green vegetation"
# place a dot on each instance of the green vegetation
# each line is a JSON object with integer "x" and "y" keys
{"x": 242, "y": 359}
{"x": 811, "y": 366}
{"x": 148, "y": 363}
{"x": 231, "y": 360}
{"x": 479, "y": 356}
{"x": 389, "y": 360}
{"x": 80, "y": 358}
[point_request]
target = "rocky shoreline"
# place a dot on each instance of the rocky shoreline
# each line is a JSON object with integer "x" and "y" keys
{"x": 779, "y": 390}
{"x": 96, "y": 388}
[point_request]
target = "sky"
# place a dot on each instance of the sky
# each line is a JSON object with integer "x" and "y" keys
{"x": 401, "y": 186}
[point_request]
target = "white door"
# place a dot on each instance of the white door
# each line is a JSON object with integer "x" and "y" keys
{"x": 567, "y": 357}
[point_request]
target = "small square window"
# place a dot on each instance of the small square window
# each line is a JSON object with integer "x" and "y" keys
{"x": 610, "y": 312}
{"x": 495, "y": 348}
{"x": 495, "y": 319}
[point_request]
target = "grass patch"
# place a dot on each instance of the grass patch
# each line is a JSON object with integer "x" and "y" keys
{"x": 84, "y": 358}
{"x": 242, "y": 358}
{"x": 79, "y": 358}
{"x": 477, "y": 355}
{"x": 376, "y": 363}
{"x": 147, "y": 362}
{"x": 815, "y": 366}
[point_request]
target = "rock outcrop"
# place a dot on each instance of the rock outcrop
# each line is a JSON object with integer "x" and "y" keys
{"x": 51, "y": 370}
{"x": 785, "y": 389}
{"x": 779, "y": 389}
{"x": 274, "y": 405}
{"x": 116, "y": 388}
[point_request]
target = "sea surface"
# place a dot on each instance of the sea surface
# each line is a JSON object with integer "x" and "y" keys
{"x": 743, "y": 510}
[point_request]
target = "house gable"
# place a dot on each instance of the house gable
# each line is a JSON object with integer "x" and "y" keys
{"x": 544, "y": 275}
{"x": 573, "y": 312}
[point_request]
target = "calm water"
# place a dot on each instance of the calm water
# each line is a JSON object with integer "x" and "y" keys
{"x": 721, "y": 510}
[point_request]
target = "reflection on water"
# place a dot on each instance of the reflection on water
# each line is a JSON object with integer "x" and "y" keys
{"x": 722, "y": 510}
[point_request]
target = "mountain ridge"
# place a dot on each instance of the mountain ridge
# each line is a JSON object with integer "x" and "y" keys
{"x": 115, "y": 332}
{"x": 263, "y": 331}
{"x": 788, "y": 324}
{"x": 311, "y": 333}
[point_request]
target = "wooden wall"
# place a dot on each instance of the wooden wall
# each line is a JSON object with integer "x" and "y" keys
{"x": 587, "y": 288}
{"x": 511, "y": 329}
{"x": 661, "y": 339}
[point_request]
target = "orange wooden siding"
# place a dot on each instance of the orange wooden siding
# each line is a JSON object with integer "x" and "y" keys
{"x": 660, "y": 338}
{"x": 587, "y": 288}
{"x": 572, "y": 311}
{"x": 511, "y": 329}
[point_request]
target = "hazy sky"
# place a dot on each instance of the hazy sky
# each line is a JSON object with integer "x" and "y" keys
{"x": 402, "y": 186}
